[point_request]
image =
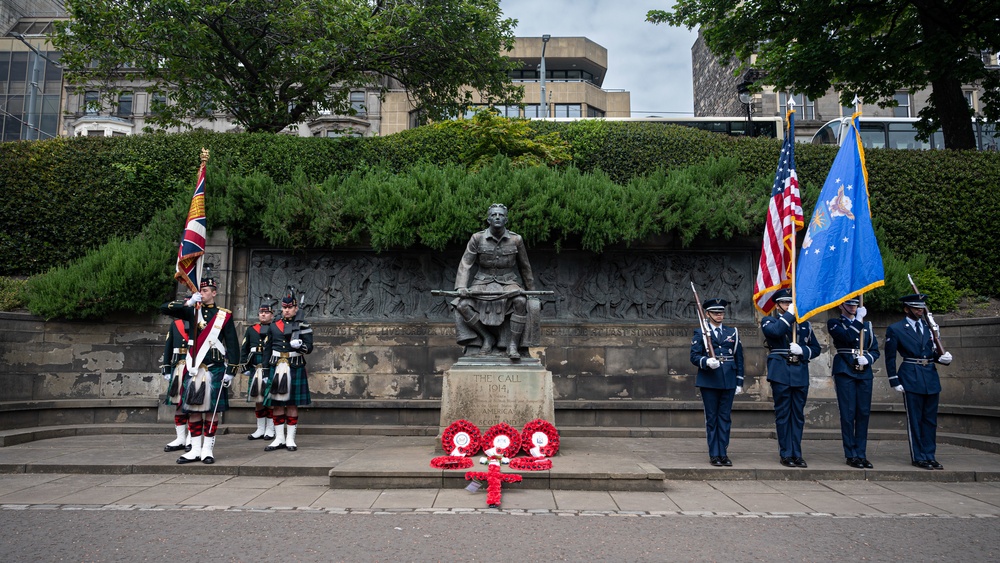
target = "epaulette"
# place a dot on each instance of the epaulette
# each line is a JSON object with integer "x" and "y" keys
{"x": 224, "y": 310}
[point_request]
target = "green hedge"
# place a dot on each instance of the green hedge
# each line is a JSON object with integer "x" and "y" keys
{"x": 69, "y": 196}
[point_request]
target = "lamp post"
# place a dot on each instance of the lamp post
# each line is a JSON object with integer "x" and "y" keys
{"x": 542, "y": 105}
{"x": 743, "y": 89}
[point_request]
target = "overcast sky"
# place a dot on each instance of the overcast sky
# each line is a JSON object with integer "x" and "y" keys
{"x": 653, "y": 62}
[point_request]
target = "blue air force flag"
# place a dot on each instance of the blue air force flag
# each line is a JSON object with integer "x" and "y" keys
{"x": 839, "y": 257}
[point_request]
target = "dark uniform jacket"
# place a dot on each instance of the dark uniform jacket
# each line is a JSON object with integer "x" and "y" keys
{"x": 845, "y": 334}
{"x": 782, "y": 367}
{"x": 916, "y": 373}
{"x": 202, "y": 317}
{"x": 728, "y": 350}
{"x": 252, "y": 349}
{"x": 277, "y": 338}
{"x": 175, "y": 348}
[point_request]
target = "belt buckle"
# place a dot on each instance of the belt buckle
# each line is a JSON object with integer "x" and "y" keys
{"x": 793, "y": 359}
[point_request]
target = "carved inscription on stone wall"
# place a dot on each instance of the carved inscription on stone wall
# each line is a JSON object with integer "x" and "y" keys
{"x": 642, "y": 286}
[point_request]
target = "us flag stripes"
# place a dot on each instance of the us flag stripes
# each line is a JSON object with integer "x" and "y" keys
{"x": 784, "y": 217}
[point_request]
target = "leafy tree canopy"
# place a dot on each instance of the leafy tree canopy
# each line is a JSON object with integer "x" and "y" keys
{"x": 872, "y": 48}
{"x": 272, "y": 63}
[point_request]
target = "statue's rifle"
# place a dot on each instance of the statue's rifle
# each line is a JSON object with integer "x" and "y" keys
{"x": 707, "y": 341}
{"x": 489, "y": 294}
{"x": 931, "y": 325}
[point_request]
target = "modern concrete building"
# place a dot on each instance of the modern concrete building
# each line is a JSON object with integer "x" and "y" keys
{"x": 31, "y": 81}
{"x": 716, "y": 93}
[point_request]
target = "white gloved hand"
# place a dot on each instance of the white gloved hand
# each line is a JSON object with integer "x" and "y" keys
{"x": 861, "y": 314}
{"x": 898, "y": 388}
{"x": 195, "y": 298}
{"x": 226, "y": 380}
{"x": 945, "y": 358}
{"x": 167, "y": 376}
{"x": 739, "y": 389}
{"x": 713, "y": 363}
{"x": 247, "y": 373}
{"x": 296, "y": 343}
{"x": 862, "y": 361}
{"x": 794, "y": 348}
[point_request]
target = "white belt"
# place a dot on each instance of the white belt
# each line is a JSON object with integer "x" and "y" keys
{"x": 285, "y": 354}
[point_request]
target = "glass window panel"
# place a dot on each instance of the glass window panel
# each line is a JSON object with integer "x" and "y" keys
{"x": 903, "y": 107}
{"x": 872, "y": 135}
{"x": 904, "y": 136}
{"x": 125, "y": 104}
{"x": 95, "y": 133}
{"x": 18, "y": 81}
{"x": 358, "y": 102}
{"x": 533, "y": 111}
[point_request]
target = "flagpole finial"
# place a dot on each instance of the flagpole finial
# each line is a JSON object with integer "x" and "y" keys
{"x": 204, "y": 155}
{"x": 857, "y": 103}
{"x": 791, "y": 102}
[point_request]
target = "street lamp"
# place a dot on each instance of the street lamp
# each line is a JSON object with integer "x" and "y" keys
{"x": 743, "y": 89}
{"x": 542, "y": 104}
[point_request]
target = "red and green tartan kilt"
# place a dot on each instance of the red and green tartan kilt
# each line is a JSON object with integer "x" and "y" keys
{"x": 184, "y": 381}
{"x": 217, "y": 371}
{"x": 298, "y": 389}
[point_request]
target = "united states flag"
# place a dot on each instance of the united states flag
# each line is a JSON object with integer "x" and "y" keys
{"x": 784, "y": 216}
{"x": 192, "y": 250}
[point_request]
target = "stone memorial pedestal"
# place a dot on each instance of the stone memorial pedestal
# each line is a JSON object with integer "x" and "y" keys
{"x": 487, "y": 391}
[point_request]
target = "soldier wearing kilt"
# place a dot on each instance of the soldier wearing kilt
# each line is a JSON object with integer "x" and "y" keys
{"x": 174, "y": 370}
{"x": 788, "y": 373}
{"x": 252, "y": 363}
{"x": 852, "y": 376}
{"x": 286, "y": 342}
{"x": 212, "y": 362}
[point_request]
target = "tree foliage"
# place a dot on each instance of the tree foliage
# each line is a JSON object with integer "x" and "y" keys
{"x": 272, "y": 63}
{"x": 872, "y": 48}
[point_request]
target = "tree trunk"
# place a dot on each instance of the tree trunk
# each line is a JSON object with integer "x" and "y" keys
{"x": 953, "y": 112}
{"x": 940, "y": 51}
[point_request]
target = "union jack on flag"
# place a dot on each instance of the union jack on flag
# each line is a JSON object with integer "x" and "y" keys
{"x": 191, "y": 253}
{"x": 784, "y": 216}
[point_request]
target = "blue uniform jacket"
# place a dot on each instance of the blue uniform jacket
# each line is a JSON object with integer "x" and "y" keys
{"x": 916, "y": 373}
{"x": 777, "y": 335}
{"x": 728, "y": 350}
{"x": 845, "y": 334}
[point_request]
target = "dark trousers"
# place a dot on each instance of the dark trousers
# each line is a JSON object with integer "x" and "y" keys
{"x": 854, "y": 397}
{"x": 718, "y": 418}
{"x": 789, "y": 417}
{"x": 921, "y": 414}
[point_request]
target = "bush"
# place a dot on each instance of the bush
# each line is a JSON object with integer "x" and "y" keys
{"x": 12, "y": 293}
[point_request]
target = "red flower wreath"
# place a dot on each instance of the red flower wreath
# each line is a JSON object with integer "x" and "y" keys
{"x": 539, "y": 438}
{"x": 508, "y": 444}
{"x": 451, "y": 462}
{"x": 461, "y": 438}
{"x": 530, "y": 464}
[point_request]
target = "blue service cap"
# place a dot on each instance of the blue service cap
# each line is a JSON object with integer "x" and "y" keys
{"x": 781, "y": 295}
{"x": 915, "y": 300}
{"x": 715, "y": 304}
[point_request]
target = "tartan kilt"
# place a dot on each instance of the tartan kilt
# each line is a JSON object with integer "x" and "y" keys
{"x": 263, "y": 391}
{"x": 184, "y": 382}
{"x": 298, "y": 389}
{"x": 217, "y": 371}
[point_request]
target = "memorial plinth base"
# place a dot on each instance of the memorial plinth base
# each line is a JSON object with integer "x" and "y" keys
{"x": 487, "y": 391}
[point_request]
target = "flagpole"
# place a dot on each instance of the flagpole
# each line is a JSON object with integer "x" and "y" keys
{"x": 791, "y": 251}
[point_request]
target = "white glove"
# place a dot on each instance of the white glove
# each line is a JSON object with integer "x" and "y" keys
{"x": 862, "y": 361}
{"x": 196, "y": 298}
{"x": 296, "y": 343}
{"x": 791, "y": 308}
{"x": 945, "y": 358}
{"x": 226, "y": 380}
{"x": 713, "y": 363}
{"x": 861, "y": 314}
{"x": 898, "y": 388}
{"x": 739, "y": 389}
{"x": 794, "y": 348}
{"x": 167, "y": 376}
{"x": 247, "y": 373}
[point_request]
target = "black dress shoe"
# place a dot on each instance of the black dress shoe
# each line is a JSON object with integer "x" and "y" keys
{"x": 270, "y": 448}
{"x": 788, "y": 462}
{"x": 935, "y": 464}
{"x": 261, "y": 437}
{"x": 291, "y": 448}
{"x": 923, "y": 464}
{"x": 208, "y": 460}
{"x": 187, "y": 448}
{"x": 182, "y": 460}
{"x": 799, "y": 462}
{"x": 726, "y": 461}
{"x": 855, "y": 462}
{"x": 173, "y": 448}
{"x": 715, "y": 461}
{"x": 866, "y": 463}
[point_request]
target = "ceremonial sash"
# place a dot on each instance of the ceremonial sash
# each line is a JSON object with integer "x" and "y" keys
{"x": 209, "y": 337}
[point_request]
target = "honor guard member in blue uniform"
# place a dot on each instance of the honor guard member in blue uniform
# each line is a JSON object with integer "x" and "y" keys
{"x": 719, "y": 379}
{"x": 852, "y": 376}
{"x": 252, "y": 363}
{"x": 917, "y": 377}
{"x": 286, "y": 342}
{"x": 788, "y": 373}
{"x": 174, "y": 370}
{"x": 212, "y": 361}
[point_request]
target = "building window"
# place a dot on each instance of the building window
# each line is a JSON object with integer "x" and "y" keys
{"x": 157, "y": 102}
{"x": 594, "y": 112}
{"x": 568, "y": 110}
{"x": 902, "y": 108}
{"x": 508, "y": 111}
{"x": 968, "y": 98}
{"x": 91, "y": 102}
{"x": 358, "y": 103}
{"x": 125, "y": 104}
{"x": 417, "y": 118}
{"x": 95, "y": 133}
{"x": 804, "y": 107}
{"x": 533, "y": 111}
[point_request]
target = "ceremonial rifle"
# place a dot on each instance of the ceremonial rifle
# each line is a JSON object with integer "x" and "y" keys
{"x": 935, "y": 331}
{"x": 489, "y": 294}
{"x": 706, "y": 340}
